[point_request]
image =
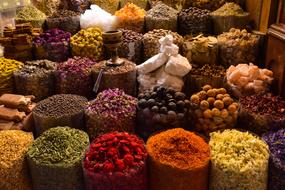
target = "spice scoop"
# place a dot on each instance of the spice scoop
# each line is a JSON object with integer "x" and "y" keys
{"x": 115, "y": 72}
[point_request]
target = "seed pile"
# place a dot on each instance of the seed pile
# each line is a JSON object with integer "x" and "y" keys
{"x": 112, "y": 110}
{"x": 132, "y": 46}
{"x": 151, "y": 41}
{"x": 32, "y": 15}
{"x": 276, "y": 143}
{"x": 194, "y": 21}
{"x": 116, "y": 161}
{"x": 70, "y": 74}
{"x": 36, "y": 78}
{"x": 179, "y": 155}
{"x": 214, "y": 109}
{"x": 88, "y": 43}
{"x": 131, "y": 17}
{"x": 55, "y": 159}
{"x": 161, "y": 108}
{"x": 62, "y": 109}
{"x": 262, "y": 112}
{"x": 237, "y": 46}
{"x": 7, "y": 67}
{"x": 13, "y": 167}
{"x": 239, "y": 158}
{"x": 53, "y": 44}
{"x": 161, "y": 16}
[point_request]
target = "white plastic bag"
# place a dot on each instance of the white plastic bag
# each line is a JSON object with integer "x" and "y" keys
{"x": 152, "y": 64}
{"x": 178, "y": 66}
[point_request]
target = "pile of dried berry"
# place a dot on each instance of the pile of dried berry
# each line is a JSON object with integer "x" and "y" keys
{"x": 214, "y": 109}
{"x": 161, "y": 108}
{"x": 70, "y": 74}
{"x": 112, "y": 110}
{"x": 262, "y": 112}
{"x": 116, "y": 161}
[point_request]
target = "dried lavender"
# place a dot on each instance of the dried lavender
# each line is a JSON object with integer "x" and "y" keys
{"x": 53, "y": 44}
{"x": 60, "y": 110}
{"x": 112, "y": 110}
{"x": 71, "y": 74}
{"x": 36, "y": 78}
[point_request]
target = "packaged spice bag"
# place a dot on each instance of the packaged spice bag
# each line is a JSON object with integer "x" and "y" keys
{"x": 160, "y": 109}
{"x": 111, "y": 6}
{"x": 60, "y": 110}
{"x": 112, "y": 110}
{"x": 14, "y": 172}
{"x": 30, "y": 14}
{"x": 55, "y": 159}
{"x": 161, "y": 16}
{"x": 178, "y": 160}
{"x": 53, "y": 45}
{"x": 230, "y": 15}
{"x": 141, "y": 3}
{"x": 251, "y": 153}
{"x": 261, "y": 113}
{"x": 132, "y": 46}
{"x": 131, "y": 17}
{"x": 213, "y": 109}
{"x": 123, "y": 77}
{"x": 238, "y": 46}
{"x": 70, "y": 74}
{"x": 200, "y": 50}
{"x": 276, "y": 143}
{"x": 121, "y": 166}
{"x": 66, "y": 20}
{"x": 36, "y": 78}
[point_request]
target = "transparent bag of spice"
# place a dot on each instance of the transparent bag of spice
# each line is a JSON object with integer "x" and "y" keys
{"x": 123, "y": 165}
{"x": 111, "y": 6}
{"x": 261, "y": 113}
{"x": 131, "y": 17}
{"x": 36, "y": 78}
{"x": 200, "y": 50}
{"x": 238, "y": 46}
{"x": 66, "y": 20}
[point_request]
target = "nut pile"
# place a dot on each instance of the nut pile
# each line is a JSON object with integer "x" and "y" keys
{"x": 262, "y": 112}
{"x": 161, "y": 108}
{"x": 53, "y": 44}
{"x": 237, "y": 46}
{"x": 116, "y": 161}
{"x": 214, "y": 109}
{"x": 276, "y": 143}
{"x": 132, "y": 46}
{"x": 238, "y": 156}
{"x": 36, "y": 78}
{"x": 112, "y": 110}
{"x": 161, "y": 16}
{"x": 14, "y": 172}
{"x": 60, "y": 110}
{"x": 55, "y": 159}
{"x": 194, "y": 21}
{"x": 7, "y": 67}
{"x": 65, "y": 20}
{"x": 200, "y": 49}
{"x": 247, "y": 79}
{"x": 70, "y": 74}
{"x": 151, "y": 41}
{"x": 32, "y": 15}
{"x": 131, "y": 17}
{"x": 88, "y": 43}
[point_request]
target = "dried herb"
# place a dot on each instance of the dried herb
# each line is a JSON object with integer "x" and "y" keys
{"x": 276, "y": 143}
{"x": 238, "y": 156}
{"x": 112, "y": 110}
{"x": 116, "y": 161}
{"x": 110, "y": 6}
{"x": 181, "y": 156}
{"x": 229, "y": 9}
{"x": 13, "y": 167}
{"x": 55, "y": 159}
{"x": 209, "y": 70}
{"x": 31, "y": 14}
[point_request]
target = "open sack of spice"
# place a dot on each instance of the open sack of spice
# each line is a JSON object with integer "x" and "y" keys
{"x": 247, "y": 79}
{"x": 104, "y": 20}
{"x": 166, "y": 68}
